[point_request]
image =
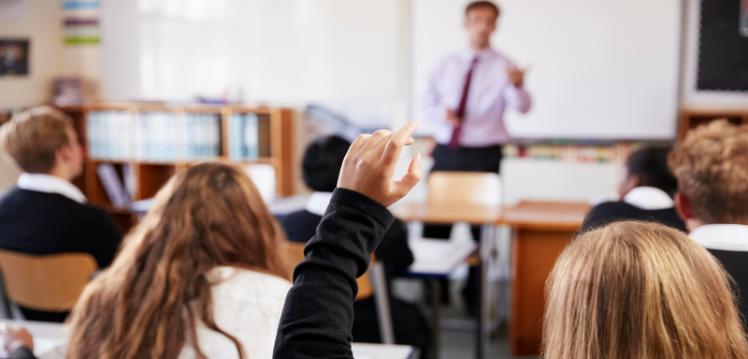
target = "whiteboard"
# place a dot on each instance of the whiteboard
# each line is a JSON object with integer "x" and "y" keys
{"x": 344, "y": 54}
{"x": 599, "y": 69}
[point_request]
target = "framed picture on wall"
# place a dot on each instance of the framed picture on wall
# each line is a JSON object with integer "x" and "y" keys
{"x": 14, "y": 57}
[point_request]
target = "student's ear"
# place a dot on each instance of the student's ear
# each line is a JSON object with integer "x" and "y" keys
{"x": 64, "y": 154}
{"x": 628, "y": 183}
{"x": 67, "y": 157}
{"x": 635, "y": 181}
{"x": 683, "y": 206}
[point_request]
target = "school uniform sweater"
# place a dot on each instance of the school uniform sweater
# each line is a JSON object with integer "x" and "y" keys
{"x": 318, "y": 313}
{"x": 729, "y": 244}
{"x": 641, "y": 204}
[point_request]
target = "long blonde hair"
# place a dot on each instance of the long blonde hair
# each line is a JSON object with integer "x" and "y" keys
{"x": 640, "y": 290}
{"x": 148, "y": 302}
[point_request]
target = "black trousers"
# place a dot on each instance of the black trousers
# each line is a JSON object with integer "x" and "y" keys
{"x": 463, "y": 159}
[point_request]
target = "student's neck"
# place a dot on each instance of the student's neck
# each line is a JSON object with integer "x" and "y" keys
{"x": 61, "y": 173}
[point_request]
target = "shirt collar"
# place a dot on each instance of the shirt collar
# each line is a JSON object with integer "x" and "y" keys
{"x": 726, "y": 237}
{"x": 649, "y": 198}
{"x": 317, "y": 203}
{"x": 469, "y": 54}
{"x": 50, "y": 184}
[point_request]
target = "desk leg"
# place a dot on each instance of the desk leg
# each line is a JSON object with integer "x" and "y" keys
{"x": 534, "y": 255}
{"x": 436, "y": 315}
{"x": 484, "y": 312}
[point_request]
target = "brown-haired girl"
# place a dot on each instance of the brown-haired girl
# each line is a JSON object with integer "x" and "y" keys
{"x": 200, "y": 276}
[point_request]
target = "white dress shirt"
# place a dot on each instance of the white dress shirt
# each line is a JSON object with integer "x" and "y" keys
{"x": 489, "y": 96}
{"x": 318, "y": 202}
{"x": 50, "y": 184}
{"x": 246, "y": 304}
{"x": 649, "y": 198}
{"x": 724, "y": 237}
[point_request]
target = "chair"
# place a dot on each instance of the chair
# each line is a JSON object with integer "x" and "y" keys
{"x": 48, "y": 282}
{"x": 372, "y": 283}
{"x": 461, "y": 192}
{"x": 476, "y": 189}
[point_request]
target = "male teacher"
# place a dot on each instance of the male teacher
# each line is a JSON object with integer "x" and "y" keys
{"x": 465, "y": 103}
{"x": 468, "y": 94}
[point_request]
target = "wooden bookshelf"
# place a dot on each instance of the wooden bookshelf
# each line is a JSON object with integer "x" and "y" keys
{"x": 275, "y": 137}
{"x": 692, "y": 118}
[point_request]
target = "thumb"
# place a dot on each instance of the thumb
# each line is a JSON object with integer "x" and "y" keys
{"x": 411, "y": 179}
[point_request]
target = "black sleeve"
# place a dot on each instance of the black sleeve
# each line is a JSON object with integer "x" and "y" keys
{"x": 21, "y": 353}
{"x": 103, "y": 238}
{"x": 317, "y": 317}
{"x": 394, "y": 251}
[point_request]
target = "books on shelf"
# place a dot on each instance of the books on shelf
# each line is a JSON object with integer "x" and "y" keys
{"x": 572, "y": 152}
{"x": 248, "y": 134}
{"x": 153, "y": 136}
{"x": 113, "y": 184}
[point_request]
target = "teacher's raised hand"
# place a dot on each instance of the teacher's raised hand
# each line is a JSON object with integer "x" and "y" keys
{"x": 369, "y": 166}
{"x": 516, "y": 76}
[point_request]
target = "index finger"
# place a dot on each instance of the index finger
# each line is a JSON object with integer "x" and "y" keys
{"x": 395, "y": 145}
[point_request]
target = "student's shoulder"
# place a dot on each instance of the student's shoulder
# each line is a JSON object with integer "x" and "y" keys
{"x": 239, "y": 284}
{"x": 302, "y": 215}
{"x": 92, "y": 211}
{"x": 300, "y": 226}
{"x": 606, "y": 212}
{"x": 611, "y": 206}
{"x": 9, "y": 196}
{"x": 38, "y": 201}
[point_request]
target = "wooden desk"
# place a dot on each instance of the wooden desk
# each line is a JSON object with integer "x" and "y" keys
{"x": 541, "y": 230}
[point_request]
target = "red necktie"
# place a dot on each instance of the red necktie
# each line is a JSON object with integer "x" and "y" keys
{"x": 454, "y": 141}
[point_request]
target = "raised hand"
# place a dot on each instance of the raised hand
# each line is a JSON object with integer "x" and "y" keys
{"x": 369, "y": 166}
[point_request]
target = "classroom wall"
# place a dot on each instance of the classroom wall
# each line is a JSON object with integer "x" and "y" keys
{"x": 38, "y": 20}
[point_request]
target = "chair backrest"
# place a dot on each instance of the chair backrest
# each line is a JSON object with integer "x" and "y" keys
{"x": 465, "y": 189}
{"x": 295, "y": 254}
{"x": 48, "y": 282}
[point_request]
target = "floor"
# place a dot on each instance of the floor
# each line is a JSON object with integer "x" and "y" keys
{"x": 459, "y": 345}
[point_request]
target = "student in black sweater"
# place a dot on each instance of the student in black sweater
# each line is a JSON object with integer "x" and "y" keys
{"x": 45, "y": 213}
{"x": 318, "y": 313}
{"x": 320, "y": 168}
{"x": 711, "y": 165}
{"x": 646, "y": 193}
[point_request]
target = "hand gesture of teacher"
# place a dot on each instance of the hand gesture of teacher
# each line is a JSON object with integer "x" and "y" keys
{"x": 516, "y": 76}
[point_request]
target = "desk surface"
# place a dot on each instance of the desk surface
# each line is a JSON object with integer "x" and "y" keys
{"x": 526, "y": 214}
{"x": 565, "y": 216}
{"x": 49, "y": 338}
